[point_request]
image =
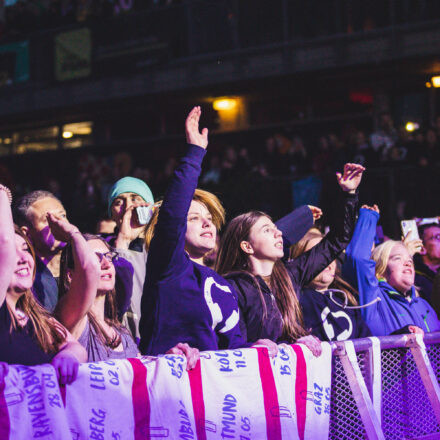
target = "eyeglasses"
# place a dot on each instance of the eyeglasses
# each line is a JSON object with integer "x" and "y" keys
{"x": 435, "y": 237}
{"x": 110, "y": 256}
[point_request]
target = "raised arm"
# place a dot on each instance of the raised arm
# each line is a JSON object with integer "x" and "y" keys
{"x": 305, "y": 268}
{"x": 167, "y": 249}
{"x": 74, "y": 305}
{"x": 7, "y": 242}
{"x": 358, "y": 267}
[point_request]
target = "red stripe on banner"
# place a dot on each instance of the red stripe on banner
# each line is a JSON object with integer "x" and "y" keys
{"x": 5, "y": 424}
{"x": 300, "y": 390}
{"x": 195, "y": 382}
{"x": 63, "y": 394}
{"x": 270, "y": 395}
{"x": 141, "y": 400}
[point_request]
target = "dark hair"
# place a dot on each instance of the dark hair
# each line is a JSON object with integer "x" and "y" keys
{"x": 110, "y": 310}
{"x": 422, "y": 229}
{"x": 49, "y": 334}
{"x": 22, "y": 205}
{"x": 231, "y": 258}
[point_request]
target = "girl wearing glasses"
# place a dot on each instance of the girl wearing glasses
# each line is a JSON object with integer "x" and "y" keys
{"x": 87, "y": 304}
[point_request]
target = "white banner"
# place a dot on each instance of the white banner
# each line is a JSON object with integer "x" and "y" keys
{"x": 233, "y": 394}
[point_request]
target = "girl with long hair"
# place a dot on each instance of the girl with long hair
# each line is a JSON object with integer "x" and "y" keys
{"x": 385, "y": 281}
{"x": 250, "y": 256}
{"x": 28, "y": 334}
{"x": 328, "y": 303}
{"x": 183, "y": 300}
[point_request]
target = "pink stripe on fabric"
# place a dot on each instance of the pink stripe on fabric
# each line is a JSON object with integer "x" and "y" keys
{"x": 63, "y": 394}
{"x": 270, "y": 395}
{"x": 300, "y": 390}
{"x": 5, "y": 424}
{"x": 141, "y": 400}
{"x": 195, "y": 383}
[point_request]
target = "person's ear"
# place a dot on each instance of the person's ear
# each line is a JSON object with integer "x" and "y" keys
{"x": 246, "y": 247}
{"x": 25, "y": 230}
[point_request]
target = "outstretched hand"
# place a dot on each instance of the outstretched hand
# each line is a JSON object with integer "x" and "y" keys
{"x": 191, "y": 354}
{"x": 61, "y": 229}
{"x": 316, "y": 212}
{"x": 374, "y": 208}
{"x": 413, "y": 246}
{"x": 350, "y": 180}
{"x": 193, "y": 135}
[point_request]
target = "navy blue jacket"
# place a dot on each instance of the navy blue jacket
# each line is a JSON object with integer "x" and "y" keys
{"x": 183, "y": 301}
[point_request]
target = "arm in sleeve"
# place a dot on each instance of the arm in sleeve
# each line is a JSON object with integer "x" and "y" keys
{"x": 307, "y": 266}
{"x": 294, "y": 226}
{"x": 167, "y": 250}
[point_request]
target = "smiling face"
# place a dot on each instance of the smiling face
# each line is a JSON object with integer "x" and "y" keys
{"x": 265, "y": 241}
{"x": 22, "y": 278}
{"x": 400, "y": 272}
{"x": 107, "y": 277}
{"x": 201, "y": 233}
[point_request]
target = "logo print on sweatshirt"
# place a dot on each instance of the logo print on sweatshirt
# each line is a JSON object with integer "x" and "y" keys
{"x": 328, "y": 327}
{"x": 214, "y": 308}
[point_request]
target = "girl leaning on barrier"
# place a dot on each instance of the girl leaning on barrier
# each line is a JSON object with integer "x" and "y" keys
{"x": 28, "y": 334}
{"x": 183, "y": 300}
{"x": 250, "y": 257}
{"x": 385, "y": 281}
{"x": 328, "y": 303}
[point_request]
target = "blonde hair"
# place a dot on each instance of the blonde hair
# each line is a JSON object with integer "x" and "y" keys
{"x": 208, "y": 199}
{"x": 338, "y": 283}
{"x": 381, "y": 255}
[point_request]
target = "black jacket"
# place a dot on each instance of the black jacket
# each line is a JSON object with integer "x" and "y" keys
{"x": 302, "y": 270}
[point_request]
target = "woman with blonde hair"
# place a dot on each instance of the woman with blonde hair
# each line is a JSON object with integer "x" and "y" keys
{"x": 28, "y": 334}
{"x": 328, "y": 303}
{"x": 250, "y": 257}
{"x": 183, "y": 300}
{"x": 385, "y": 281}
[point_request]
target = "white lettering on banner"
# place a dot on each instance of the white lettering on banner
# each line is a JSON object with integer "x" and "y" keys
{"x": 328, "y": 327}
{"x": 232, "y": 394}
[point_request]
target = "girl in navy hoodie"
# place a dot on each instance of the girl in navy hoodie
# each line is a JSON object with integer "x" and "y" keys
{"x": 250, "y": 257}
{"x": 183, "y": 300}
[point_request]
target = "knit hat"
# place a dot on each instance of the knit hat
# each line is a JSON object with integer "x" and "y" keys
{"x": 129, "y": 185}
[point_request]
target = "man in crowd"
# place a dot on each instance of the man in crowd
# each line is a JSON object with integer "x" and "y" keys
{"x": 427, "y": 263}
{"x": 30, "y": 214}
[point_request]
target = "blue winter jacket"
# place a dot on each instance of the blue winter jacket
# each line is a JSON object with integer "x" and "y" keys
{"x": 390, "y": 311}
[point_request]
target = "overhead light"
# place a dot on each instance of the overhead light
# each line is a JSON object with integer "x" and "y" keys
{"x": 224, "y": 104}
{"x": 67, "y": 134}
{"x": 7, "y": 140}
{"x": 435, "y": 81}
{"x": 411, "y": 126}
{"x": 428, "y": 84}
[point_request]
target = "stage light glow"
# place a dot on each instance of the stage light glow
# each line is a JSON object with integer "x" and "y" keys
{"x": 428, "y": 84}
{"x": 411, "y": 126}
{"x": 223, "y": 104}
{"x": 67, "y": 134}
{"x": 435, "y": 81}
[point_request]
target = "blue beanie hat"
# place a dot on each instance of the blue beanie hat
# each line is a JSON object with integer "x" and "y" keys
{"x": 129, "y": 185}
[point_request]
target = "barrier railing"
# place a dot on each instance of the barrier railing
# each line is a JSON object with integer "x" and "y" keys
{"x": 393, "y": 395}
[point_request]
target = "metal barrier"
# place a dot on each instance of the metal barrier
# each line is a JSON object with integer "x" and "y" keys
{"x": 407, "y": 398}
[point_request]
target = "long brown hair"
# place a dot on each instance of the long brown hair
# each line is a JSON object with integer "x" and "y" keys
{"x": 338, "y": 283}
{"x": 231, "y": 258}
{"x": 110, "y": 309}
{"x": 212, "y": 203}
{"x": 48, "y": 333}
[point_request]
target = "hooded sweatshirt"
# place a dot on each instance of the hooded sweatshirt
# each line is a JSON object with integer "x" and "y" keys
{"x": 389, "y": 311}
{"x": 183, "y": 301}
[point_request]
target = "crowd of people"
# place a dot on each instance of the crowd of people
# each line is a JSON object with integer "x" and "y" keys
{"x": 158, "y": 276}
